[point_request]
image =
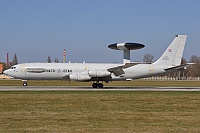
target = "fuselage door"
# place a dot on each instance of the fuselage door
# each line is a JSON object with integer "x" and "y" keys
{"x": 23, "y": 70}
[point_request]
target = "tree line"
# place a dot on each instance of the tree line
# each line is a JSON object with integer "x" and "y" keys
{"x": 49, "y": 60}
{"x": 13, "y": 62}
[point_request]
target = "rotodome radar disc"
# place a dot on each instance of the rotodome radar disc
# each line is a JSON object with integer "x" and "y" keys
{"x": 126, "y": 46}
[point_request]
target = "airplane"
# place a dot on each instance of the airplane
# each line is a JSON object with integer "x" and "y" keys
{"x": 170, "y": 61}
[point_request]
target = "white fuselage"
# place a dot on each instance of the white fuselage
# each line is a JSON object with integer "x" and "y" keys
{"x": 58, "y": 71}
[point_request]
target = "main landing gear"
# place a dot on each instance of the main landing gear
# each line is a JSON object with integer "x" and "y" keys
{"x": 97, "y": 85}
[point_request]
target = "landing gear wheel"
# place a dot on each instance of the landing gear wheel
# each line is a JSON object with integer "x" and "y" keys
{"x": 25, "y": 84}
{"x": 94, "y": 85}
{"x": 100, "y": 85}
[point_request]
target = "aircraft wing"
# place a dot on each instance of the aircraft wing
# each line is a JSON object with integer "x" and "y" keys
{"x": 118, "y": 70}
{"x": 178, "y": 67}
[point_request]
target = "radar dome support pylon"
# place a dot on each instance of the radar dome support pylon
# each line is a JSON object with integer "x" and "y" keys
{"x": 126, "y": 56}
{"x": 126, "y": 47}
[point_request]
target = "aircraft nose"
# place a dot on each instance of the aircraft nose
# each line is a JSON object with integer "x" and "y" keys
{"x": 6, "y": 72}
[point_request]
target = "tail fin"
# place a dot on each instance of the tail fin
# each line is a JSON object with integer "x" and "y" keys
{"x": 173, "y": 54}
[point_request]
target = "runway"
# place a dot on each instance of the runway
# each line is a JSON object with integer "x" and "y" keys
{"x": 117, "y": 88}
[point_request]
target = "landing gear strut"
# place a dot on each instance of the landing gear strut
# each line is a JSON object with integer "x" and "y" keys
{"x": 97, "y": 85}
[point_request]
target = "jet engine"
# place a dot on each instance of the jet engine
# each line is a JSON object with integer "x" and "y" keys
{"x": 94, "y": 73}
{"x": 79, "y": 77}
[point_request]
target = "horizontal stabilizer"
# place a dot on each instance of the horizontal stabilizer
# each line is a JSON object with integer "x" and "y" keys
{"x": 178, "y": 67}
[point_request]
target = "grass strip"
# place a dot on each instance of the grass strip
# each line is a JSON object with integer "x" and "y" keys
{"x": 102, "y": 111}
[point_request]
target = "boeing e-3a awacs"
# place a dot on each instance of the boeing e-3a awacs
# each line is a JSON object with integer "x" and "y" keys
{"x": 96, "y": 72}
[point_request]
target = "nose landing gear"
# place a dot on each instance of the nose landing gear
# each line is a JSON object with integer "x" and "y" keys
{"x": 24, "y": 82}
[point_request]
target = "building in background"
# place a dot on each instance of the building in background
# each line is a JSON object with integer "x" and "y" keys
{"x": 1, "y": 68}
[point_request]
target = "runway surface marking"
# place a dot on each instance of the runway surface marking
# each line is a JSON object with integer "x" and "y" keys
{"x": 69, "y": 88}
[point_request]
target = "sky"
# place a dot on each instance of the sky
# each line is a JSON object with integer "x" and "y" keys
{"x": 36, "y": 29}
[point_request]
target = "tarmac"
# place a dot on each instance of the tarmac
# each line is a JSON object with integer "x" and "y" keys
{"x": 116, "y": 88}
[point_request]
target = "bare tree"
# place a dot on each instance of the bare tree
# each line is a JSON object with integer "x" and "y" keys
{"x": 148, "y": 58}
{"x": 195, "y": 69}
{"x": 184, "y": 73}
{"x": 56, "y": 60}
{"x": 49, "y": 59}
{"x": 15, "y": 60}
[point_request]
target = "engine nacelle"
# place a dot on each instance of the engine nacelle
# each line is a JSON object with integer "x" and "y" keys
{"x": 94, "y": 73}
{"x": 79, "y": 77}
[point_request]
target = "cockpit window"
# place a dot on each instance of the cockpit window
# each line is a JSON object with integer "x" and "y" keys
{"x": 13, "y": 67}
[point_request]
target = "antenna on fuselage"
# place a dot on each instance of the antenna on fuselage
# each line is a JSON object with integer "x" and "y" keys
{"x": 126, "y": 47}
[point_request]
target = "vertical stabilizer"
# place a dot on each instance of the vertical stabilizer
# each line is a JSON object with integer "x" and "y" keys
{"x": 173, "y": 54}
